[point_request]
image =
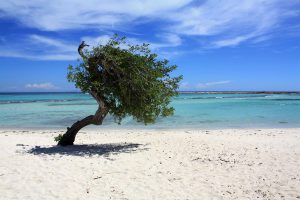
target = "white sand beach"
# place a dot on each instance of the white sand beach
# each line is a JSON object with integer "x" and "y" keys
{"x": 151, "y": 164}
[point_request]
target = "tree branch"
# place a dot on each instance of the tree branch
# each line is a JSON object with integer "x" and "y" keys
{"x": 80, "y": 48}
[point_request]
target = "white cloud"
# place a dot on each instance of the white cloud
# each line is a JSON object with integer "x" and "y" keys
{"x": 208, "y": 17}
{"x": 165, "y": 41}
{"x": 47, "y": 48}
{"x": 60, "y": 15}
{"x": 211, "y": 84}
{"x": 232, "y": 22}
{"x": 217, "y": 23}
{"x": 50, "y": 42}
{"x": 16, "y": 54}
{"x": 103, "y": 39}
{"x": 232, "y": 42}
{"x": 185, "y": 86}
{"x": 36, "y": 47}
{"x": 216, "y": 16}
{"x": 44, "y": 86}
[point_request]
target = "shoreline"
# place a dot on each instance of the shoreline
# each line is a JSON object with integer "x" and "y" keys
{"x": 180, "y": 92}
{"x": 101, "y": 128}
{"x": 152, "y": 164}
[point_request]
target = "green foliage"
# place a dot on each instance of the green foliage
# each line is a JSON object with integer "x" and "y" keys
{"x": 58, "y": 138}
{"x": 131, "y": 80}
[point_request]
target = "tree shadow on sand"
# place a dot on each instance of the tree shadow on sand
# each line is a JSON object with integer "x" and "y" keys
{"x": 89, "y": 150}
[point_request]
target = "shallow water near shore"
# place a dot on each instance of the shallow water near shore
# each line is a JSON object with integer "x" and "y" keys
{"x": 212, "y": 110}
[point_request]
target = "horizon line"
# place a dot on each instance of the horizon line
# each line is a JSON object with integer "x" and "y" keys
{"x": 182, "y": 91}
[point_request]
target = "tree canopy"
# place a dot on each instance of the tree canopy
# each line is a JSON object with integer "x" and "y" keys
{"x": 126, "y": 80}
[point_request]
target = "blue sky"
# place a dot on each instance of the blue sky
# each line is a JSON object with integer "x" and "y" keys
{"x": 217, "y": 44}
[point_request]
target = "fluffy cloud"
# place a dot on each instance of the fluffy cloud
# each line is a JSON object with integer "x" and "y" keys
{"x": 200, "y": 86}
{"x": 184, "y": 86}
{"x": 60, "y": 15}
{"x": 217, "y": 23}
{"x": 43, "y": 86}
{"x": 50, "y": 42}
{"x": 41, "y": 48}
{"x": 165, "y": 41}
{"x": 233, "y": 41}
{"x": 47, "y": 48}
{"x": 233, "y": 21}
{"x": 211, "y": 84}
{"x": 208, "y": 17}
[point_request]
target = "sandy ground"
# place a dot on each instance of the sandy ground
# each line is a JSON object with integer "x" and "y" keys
{"x": 148, "y": 164}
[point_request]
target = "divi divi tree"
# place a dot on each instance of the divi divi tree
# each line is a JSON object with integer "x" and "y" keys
{"x": 125, "y": 80}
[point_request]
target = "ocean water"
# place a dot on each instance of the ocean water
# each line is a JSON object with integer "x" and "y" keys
{"x": 205, "y": 111}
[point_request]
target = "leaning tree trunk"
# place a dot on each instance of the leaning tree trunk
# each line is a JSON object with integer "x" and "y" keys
{"x": 69, "y": 137}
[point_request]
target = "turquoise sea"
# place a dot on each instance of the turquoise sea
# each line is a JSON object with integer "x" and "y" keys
{"x": 207, "y": 111}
